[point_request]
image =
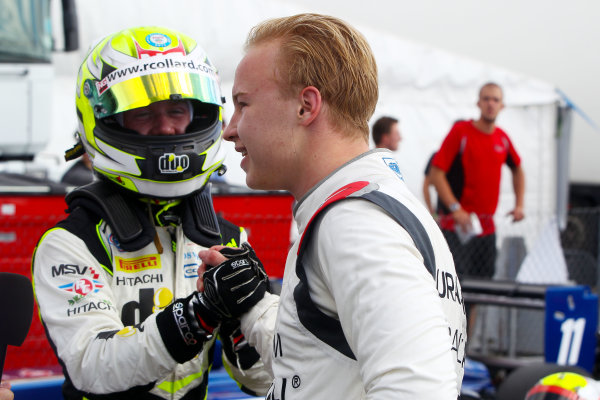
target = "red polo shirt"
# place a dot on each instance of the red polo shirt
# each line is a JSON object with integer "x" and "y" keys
{"x": 481, "y": 157}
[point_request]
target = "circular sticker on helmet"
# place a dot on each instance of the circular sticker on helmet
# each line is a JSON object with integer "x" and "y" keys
{"x": 158, "y": 40}
{"x": 87, "y": 89}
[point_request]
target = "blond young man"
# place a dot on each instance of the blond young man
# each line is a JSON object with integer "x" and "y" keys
{"x": 371, "y": 307}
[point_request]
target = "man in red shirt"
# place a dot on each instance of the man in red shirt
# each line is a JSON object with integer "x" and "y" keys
{"x": 477, "y": 149}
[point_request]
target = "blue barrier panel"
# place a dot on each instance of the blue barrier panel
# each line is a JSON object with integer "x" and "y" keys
{"x": 49, "y": 388}
{"x": 222, "y": 387}
{"x": 571, "y": 324}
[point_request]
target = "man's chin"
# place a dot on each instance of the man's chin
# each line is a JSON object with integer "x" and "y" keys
{"x": 259, "y": 184}
{"x": 253, "y": 183}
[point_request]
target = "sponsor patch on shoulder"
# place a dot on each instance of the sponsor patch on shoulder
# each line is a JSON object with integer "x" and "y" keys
{"x": 393, "y": 165}
{"x": 112, "y": 239}
{"x": 83, "y": 286}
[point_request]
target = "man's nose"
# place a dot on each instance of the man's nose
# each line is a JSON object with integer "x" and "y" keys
{"x": 230, "y": 131}
{"x": 163, "y": 125}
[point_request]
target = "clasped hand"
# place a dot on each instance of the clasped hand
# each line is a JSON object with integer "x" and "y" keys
{"x": 232, "y": 280}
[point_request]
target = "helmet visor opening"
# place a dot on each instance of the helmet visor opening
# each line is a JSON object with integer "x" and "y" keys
{"x": 143, "y": 90}
{"x": 204, "y": 116}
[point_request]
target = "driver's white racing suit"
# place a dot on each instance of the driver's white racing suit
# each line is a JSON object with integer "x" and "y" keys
{"x": 371, "y": 307}
{"x": 101, "y": 307}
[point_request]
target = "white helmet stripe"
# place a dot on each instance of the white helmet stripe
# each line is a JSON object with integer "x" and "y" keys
{"x": 117, "y": 160}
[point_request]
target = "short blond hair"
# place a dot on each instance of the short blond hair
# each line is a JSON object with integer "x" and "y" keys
{"x": 327, "y": 53}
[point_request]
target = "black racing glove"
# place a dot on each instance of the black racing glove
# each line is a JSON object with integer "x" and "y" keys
{"x": 185, "y": 325}
{"x": 237, "y": 284}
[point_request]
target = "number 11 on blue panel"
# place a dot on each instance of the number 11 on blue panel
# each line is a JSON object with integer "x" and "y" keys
{"x": 571, "y": 324}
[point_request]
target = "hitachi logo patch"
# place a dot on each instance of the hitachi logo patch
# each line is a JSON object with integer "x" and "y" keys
{"x": 138, "y": 264}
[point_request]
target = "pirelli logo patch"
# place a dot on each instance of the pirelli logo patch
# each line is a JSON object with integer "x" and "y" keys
{"x": 138, "y": 264}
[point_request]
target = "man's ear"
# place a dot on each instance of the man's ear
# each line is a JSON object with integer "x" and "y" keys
{"x": 310, "y": 105}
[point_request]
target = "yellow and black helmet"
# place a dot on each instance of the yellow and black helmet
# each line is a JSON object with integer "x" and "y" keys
{"x": 134, "y": 68}
{"x": 565, "y": 386}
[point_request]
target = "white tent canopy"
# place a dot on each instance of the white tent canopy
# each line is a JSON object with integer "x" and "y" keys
{"x": 428, "y": 89}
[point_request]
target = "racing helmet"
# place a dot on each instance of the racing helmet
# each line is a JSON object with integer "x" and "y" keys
{"x": 134, "y": 68}
{"x": 565, "y": 386}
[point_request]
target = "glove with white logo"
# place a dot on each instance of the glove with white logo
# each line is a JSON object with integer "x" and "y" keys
{"x": 237, "y": 284}
{"x": 185, "y": 325}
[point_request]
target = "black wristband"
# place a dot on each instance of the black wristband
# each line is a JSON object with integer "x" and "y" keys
{"x": 182, "y": 334}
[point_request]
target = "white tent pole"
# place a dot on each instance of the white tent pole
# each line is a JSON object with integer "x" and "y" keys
{"x": 563, "y": 149}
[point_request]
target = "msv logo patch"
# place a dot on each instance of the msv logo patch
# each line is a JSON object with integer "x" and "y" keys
{"x": 393, "y": 165}
{"x": 73, "y": 269}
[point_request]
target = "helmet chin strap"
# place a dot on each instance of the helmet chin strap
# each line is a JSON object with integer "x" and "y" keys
{"x": 74, "y": 152}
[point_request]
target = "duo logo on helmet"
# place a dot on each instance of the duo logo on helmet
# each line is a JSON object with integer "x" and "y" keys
{"x": 170, "y": 163}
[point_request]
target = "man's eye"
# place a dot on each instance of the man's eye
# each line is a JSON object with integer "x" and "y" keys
{"x": 177, "y": 111}
{"x": 142, "y": 115}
